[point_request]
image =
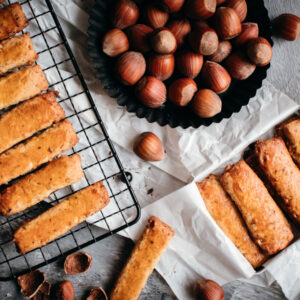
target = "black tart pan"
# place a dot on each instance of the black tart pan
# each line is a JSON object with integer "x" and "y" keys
{"x": 237, "y": 96}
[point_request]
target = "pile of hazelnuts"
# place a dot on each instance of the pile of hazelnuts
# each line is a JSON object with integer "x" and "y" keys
{"x": 204, "y": 40}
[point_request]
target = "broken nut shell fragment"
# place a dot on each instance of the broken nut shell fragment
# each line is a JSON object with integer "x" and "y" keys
{"x": 97, "y": 294}
{"x": 77, "y": 263}
{"x": 30, "y": 283}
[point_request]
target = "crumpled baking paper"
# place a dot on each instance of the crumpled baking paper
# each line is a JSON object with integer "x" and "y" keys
{"x": 199, "y": 248}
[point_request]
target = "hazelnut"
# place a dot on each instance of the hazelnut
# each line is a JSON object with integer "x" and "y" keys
{"x": 163, "y": 41}
{"x": 125, "y": 13}
{"x": 227, "y": 23}
{"x": 30, "y": 283}
{"x": 238, "y": 66}
{"x": 219, "y": 2}
{"x": 161, "y": 66}
{"x": 64, "y": 291}
{"x": 287, "y": 26}
{"x": 200, "y": 9}
{"x": 240, "y": 6}
{"x": 138, "y": 36}
{"x": 204, "y": 41}
{"x": 115, "y": 42}
{"x": 151, "y": 91}
{"x": 199, "y": 25}
{"x": 130, "y": 67}
{"x": 77, "y": 263}
{"x": 45, "y": 288}
{"x": 180, "y": 29}
{"x": 173, "y": 5}
{"x": 97, "y": 294}
{"x": 215, "y": 77}
{"x": 149, "y": 147}
{"x": 249, "y": 31}
{"x": 156, "y": 15}
{"x": 206, "y": 103}
{"x": 189, "y": 63}
{"x": 259, "y": 51}
{"x": 208, "y": 290}
{"x": 182, "y": 91}
{"x": 223, "y": 51}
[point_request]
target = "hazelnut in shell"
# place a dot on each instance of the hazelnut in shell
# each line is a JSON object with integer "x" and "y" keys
{"x": 239, "y": 66}
{"x": 189, "y": 63}
{"x": 206, "y": 103}
{"x": 151, "y": 91}
{"x": 259, "y": 51}
{"x": 64, "y": 291}
{"x": 240, "y": 6}
{"x": 156, "y": 15}
{"x": 180, "y": 29}
{"x": 227, "y": 23}
{"x": 199, "y": 24}
{"x": 249, "y": 31}
{"x": 163, "y": 41}
{"x": 149, "y": 147}
{"x": 287, "y": 26}
{"x": 182, "y": 91}
{"x": 77, "y": 263}
{"x": 97, "y": 294}
{"x": 138, "y": 36}
{"x": 30, "y": 283}
{"x": 161, "y": 66}
{"x": 222, "y": 53}
{"x": 130, "y": 67}
{"x": 173, "y": 5}
{"x": 124, "y": 13}
{"x": 204, "y": 41}
{"x": 219, "y": 2}
{"x": 208, "y": 290}
{"x": 215, "y": 77}
{"x": 115, "y": 42}
{"x": 200, "y": 9}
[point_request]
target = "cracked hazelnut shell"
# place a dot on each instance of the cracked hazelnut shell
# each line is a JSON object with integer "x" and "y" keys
{"x": 30, "y": 283}
{"x": 77, "y": 263}
{"x": 64, "y": 291}
{"x": 97, "y": 294}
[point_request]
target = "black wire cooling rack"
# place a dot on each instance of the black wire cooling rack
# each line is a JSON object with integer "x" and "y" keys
{"x": 99, "y": 158}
